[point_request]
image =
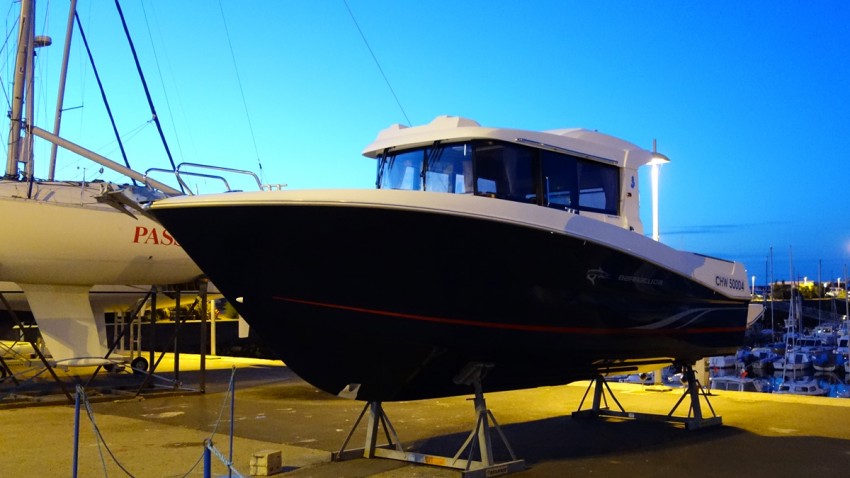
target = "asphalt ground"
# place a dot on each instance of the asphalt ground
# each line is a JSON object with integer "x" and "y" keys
{"x": 162, "y": 434}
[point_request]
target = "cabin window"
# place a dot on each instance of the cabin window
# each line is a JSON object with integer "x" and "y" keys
{"x": 505, "y": 171}
{"x": 560, "y": 180}
{"x": 579, "y": 184}
{"x": 401, "y": 171}
{"x": 448, "y": 169}
{"x": 598, "y": 186}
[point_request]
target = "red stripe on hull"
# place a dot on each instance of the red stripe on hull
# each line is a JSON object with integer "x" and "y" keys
{"x": 519, "y": 327}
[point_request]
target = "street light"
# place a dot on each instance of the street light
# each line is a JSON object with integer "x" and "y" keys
{"x": 657, "y": 160}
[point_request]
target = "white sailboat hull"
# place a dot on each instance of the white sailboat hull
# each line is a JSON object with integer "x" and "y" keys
{"x": 60, "y": 242}
{"x": 53, "y": 239}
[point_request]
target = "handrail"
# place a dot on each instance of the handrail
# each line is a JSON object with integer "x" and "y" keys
{"x": 178, "y": 173}
{"x": 224, "y": 169}
{"x": 183, "y": 183}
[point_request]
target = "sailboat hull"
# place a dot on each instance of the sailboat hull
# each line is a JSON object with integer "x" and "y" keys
{"x": 62, "y": 235}
{"x": 59, "y": 242}
{"x": 389, "y": 295}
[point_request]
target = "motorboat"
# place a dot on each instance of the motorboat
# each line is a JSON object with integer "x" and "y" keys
{"x": 735, "y": 383}
{"x": 827, "y": 360}
{"x": 763, "y": 359}
{"x": 843, "y": 344}
{"x": 826, "y": 334}
{"x": 518, "y": 251}
{"x": 794, "y": 361}
{"x": 722, "y": 361}
{"x": 809, "y": 387}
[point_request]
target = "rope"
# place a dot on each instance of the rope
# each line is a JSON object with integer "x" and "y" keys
{"x": 376, "y": 61}
{"x": 99, "y": 436}
{"x": 101, "y": 440}
{"x": 224, "y": 403}
{"x": 241, "y": 91}
{"x": 13, "y": 29}
{"x": 161, "y": 79}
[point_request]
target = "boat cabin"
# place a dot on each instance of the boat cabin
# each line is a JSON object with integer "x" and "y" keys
{"x": 574, "y": 170}
{"x": 736, "y": 384}
{"x": 806, "y": 388}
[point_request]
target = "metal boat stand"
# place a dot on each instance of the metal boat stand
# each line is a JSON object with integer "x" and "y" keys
{"x": 479, "y": 437}
{"x": 139, "y": 365}
{"x": 694, "y": 390}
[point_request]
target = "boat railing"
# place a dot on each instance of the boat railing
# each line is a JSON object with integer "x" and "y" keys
{"x": 180, "y": 173}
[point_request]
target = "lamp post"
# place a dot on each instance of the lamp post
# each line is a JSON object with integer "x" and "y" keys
{"x": 846, "y": 295}
{"x": 657, "y": 160}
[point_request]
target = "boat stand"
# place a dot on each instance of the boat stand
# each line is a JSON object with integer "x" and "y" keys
{"x": 693, "y": 391}
{"x": 479, "y": 437}
{"x": 139, "y": 365}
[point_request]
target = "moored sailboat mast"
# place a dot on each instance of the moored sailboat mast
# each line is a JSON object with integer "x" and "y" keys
{"x": 23, "y": 61}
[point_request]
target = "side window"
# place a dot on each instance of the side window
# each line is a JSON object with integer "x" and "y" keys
{"x": 599, "y": 187}
{"x": 449, "y": 169}
{"x": 579, "y": 184}
{"x": 505, "y": 171}
{"x": 401, "y": 171}
{"x": 559, "y": 180}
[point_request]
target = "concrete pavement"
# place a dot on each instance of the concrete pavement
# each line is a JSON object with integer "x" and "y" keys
{"x": 761, "y": 434}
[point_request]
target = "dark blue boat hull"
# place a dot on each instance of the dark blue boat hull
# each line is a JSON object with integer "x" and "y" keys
{"x": 398, "y": 302}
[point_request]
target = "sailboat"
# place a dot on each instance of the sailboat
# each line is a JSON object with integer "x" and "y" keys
{"x": 519, "y": 253}
{"x": 60, "y": 239}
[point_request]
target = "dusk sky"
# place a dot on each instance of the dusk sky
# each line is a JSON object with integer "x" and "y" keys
{"x": 749, "y": 100}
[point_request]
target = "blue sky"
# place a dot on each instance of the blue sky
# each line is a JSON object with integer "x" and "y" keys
{"x": 750, "y": 100}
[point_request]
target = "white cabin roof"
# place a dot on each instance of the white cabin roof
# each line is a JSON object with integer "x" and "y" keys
{"x": 455, "y": 128}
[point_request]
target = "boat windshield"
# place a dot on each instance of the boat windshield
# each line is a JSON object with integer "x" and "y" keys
{"x": 505, "y": 171}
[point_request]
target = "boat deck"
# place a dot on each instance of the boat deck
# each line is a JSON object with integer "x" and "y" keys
{"x": 762, "y": 434}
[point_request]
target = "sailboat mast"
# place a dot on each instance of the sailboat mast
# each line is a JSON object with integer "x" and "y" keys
{"x": 25, "y": 153}
{"x": 25, "y": 40}
{"x": 60, "y": 97}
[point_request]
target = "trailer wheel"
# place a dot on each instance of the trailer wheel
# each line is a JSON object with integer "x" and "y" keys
{"x": 139, "y": 365}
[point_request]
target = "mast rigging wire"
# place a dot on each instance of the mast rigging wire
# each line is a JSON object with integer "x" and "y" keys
{"x": 5, "y": 50}
{"x": 162, "y": 81}
{"x": 376, "y": 62}
{"x": 102, "y": 93}
{"x": 145, "y": 86}
{"x": 241, "y": 91}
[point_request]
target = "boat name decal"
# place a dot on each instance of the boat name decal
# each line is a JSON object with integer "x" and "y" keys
{"x": 593, "y": 274}
{"x": 153, "y": 236}
{"x": 598, "y": 273}
{"x": 640, "y": 280}
{"x": 729, "y": 283}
